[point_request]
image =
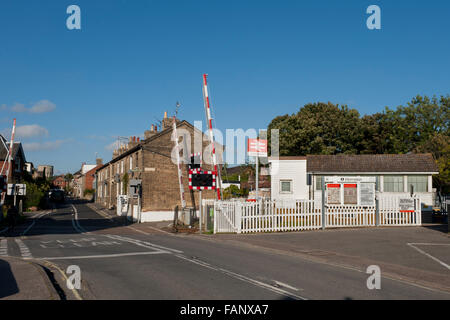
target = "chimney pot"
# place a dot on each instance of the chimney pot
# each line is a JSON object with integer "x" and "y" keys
{"x": 165, "y": 114}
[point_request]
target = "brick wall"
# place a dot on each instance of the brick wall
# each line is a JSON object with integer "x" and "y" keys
{"x": 159, "y": 175}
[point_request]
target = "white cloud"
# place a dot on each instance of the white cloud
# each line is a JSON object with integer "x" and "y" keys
{"x": 31, "y": 131}
{"x": 19, "y": 107}
{"x": 42, "y": 106}
{"x": 40, "y": 146}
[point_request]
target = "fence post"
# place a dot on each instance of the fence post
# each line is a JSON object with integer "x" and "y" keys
{"x": 215, "y": 217}
{"x": 239, "y": 218}
{"x": 377, "y": 211}
{"x": 323, "y": 204}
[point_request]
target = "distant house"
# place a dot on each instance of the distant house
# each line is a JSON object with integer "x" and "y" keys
{"x": 395, "y": 174}
{"x": 59, "y": 182}
{"x": 18, "y": 160}
{"x": 84, "y": 178}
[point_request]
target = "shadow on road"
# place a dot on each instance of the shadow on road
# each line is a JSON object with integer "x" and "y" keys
{"x": 437, "y": 227}
{"x": 63, "y": 221}
{"x": 8, "y": 283}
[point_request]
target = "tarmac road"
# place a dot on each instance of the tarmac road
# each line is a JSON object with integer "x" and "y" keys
{"x": 138, "y": 262}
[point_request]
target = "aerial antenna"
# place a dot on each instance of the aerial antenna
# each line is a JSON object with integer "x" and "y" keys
{"x": 178, "y": 105}
{"x": 159, "y": 123}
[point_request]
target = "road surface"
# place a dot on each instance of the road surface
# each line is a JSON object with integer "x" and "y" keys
{"x": 140, "y": 262}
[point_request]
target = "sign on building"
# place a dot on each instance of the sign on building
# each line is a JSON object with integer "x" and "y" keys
{"x": 333, "y": 193}
{"x": 257, "y": 148}
{"x": 350, "y": 193}
{"x": 367, "y": 194}
{"x": 357, "y": 191}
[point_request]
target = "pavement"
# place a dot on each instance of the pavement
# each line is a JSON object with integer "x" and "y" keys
{"x": 118, "y": 260}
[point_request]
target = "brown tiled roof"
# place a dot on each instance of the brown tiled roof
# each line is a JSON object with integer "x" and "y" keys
{"x": 371, "y": 163}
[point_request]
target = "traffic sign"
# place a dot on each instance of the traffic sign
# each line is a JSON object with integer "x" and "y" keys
{"x": 16, "y": 189}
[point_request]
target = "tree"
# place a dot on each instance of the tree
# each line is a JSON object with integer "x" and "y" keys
{"x": 319, "y": 128}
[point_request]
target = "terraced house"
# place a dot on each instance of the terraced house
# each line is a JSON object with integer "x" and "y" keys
{"x": 150, "y": 161}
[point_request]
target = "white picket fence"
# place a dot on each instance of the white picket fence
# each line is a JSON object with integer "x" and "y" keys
{"x": 282, "y": 215}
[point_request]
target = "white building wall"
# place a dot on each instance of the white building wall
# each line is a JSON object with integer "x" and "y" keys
{"x": 294, "y": 170}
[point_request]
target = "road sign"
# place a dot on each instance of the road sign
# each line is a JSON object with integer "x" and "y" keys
{"x": 257, "y": 148}
{"x": 202, "y": 180}
{"x": 16, "y": 189}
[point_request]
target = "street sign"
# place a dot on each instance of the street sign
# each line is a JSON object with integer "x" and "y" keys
{"x": 257, "y": 148}
{"x": 406, "y": 205}
{"x": 16, "y": 189}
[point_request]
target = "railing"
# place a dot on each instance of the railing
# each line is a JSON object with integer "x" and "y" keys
{"x": 297, "y": 215}
{"x": 350, "y": 216}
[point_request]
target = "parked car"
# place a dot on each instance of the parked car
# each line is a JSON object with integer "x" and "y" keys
{"x": 56, "y": 195}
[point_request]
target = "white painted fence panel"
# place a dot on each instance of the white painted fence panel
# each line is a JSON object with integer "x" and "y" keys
{"x": 297, "y": 215}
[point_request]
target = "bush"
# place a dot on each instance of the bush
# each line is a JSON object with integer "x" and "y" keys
{"x": 35, "y": 196}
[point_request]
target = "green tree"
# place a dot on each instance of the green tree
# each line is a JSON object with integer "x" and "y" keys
{"x": 319, "y": 128}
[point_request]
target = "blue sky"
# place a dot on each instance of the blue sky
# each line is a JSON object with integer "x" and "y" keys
{"x": 75, "y": 90}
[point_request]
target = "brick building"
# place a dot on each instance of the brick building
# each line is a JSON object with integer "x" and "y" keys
{"x": 18, "y": 161}
{"x": 150, "y": 160}
{"x": 59, "y": 182}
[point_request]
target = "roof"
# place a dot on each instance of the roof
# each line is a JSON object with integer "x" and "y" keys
{"x": 142, "y": 144}
{"x": 370, "y": 163}
{"x": 17, "y": 147}
{"x": 288, "y": 158}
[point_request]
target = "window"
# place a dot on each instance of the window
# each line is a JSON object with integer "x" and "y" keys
{"x": 318, "y": 182}
{"x": 131, "y": 162}
{"x": 419, "y": 183}
{"x": 393, "y": 184}
{"x": 285, "y": 186}
{"x": 121, "y": 166}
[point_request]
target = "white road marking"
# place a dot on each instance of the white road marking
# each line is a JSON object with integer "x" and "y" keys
{"x": 282, "y": 284}
{"x": 412, "y": 245}
{"x": 76, "y": 223}
{"x": 4, "y": 248}
{"x": 163, "y": 231}
{"x": 24, "y": 251}
{"x": 35, "y": 218}
{"x": 145, "y": 244}
{"x": 114, "y": 255}
{"x": 244, "y": 278}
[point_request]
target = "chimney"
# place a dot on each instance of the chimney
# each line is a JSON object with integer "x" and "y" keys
{"x": 166, "y": 122}
{"x": 99, "y": 161}
{"x": 149, "y": 133}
